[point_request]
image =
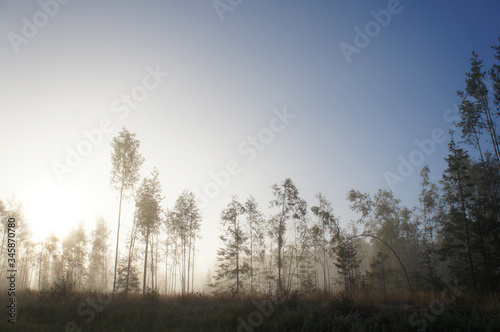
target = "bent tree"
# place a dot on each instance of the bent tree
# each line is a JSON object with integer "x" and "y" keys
{"x": 126, "y": 162}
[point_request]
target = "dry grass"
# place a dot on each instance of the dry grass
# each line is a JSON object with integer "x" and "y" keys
{"x": 311, "y": 311}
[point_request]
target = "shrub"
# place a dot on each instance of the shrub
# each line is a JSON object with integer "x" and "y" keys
{"x": 151, "y": 295}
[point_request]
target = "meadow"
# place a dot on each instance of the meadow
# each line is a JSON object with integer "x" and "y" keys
{"x": 90, "y": 311}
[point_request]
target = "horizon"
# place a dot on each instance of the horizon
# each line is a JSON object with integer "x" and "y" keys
{"x": 230, "y": 102}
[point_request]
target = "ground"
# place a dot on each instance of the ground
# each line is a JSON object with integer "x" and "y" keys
{"x": 88, "y": 311}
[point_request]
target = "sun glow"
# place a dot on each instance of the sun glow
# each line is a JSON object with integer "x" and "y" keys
{"x": 56, "y": 209}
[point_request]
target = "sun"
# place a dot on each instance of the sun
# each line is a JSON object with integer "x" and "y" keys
{"x": 55, "y": 208}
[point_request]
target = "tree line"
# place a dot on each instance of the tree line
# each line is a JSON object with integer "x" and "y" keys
{"x": 81, "y": 260}
{"x": 452, "y": 234}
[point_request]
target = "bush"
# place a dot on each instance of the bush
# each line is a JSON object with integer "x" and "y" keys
{"x": 61, "y": 288}
{"x": 151, "y": 295}
{"x": 342, "y": 305}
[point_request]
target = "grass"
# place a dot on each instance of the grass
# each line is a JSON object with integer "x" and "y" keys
{"x": 89, "y": 311}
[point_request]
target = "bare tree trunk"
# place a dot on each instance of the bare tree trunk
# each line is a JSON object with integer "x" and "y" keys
{"x": 166, "y": 267}
{"x": 118, "y": 236}
{"x": 466, "y": 228}
{"x": 173, "y": 281}
{"x": 280, "y": 245}
{"x": 130, "y": 254}
{"x": 156, "y": 261}
{"x": 104, "y": 283}
{"x": 25, "y": 271}
{"x": 151, "y": 268}
{"x": 189, "y": 261}
{"x": 251, "y": 259}
{"x": 183, "y": 268}
{"x": 145, "y": 262}
{"x": 192, "y": 265}
{"x": 237, "y": 271}
{"x": 40, "y": 267}
{"x": 491, "y": 128}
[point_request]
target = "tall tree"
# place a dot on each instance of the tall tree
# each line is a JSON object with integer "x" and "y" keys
{"x": 348, "y": 264}
{"x": 126, "y": 162}
{"x": 322, "y": 232}
{"x": 184, "y": 224}
{"x": 495, "y": 77}
{"x": 255, "y": 222}
{"x": 384, "y": 217}
{"x": 52, "y": 246}
{"x": 235, "y": 246}
{"x": 75, "y": 252}
{"x": 131, "y": 255}
{"x": 476, "y": 110}
{"x": 430, "y": 210}
{"x": 42, "y": 267}
{"x": 128, "y": 277}
{"x": 148, "y": 213}
{"x": 25, "y": 246}
{"x": 290, "y": 206}
{"x": 379, "y": 270}
{"x": 457, "y": 195}
{"x": 98, "y": 255}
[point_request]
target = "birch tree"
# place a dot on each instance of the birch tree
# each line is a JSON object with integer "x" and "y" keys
{"x": 148, "y": 212}
{"x": 126, "y": 163}
{"x": 290, "y": 206}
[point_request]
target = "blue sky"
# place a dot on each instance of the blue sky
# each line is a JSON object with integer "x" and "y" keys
{"x": 352, "y": 120}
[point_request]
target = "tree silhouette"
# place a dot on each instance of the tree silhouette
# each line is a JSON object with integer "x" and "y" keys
{"x": 235, "y": 246}
{"x": 255, "y": 221}
{"x": 126, "y": 162}
{"x": 183, "y": 223}
{"x": 290, "y": 206}
{"x": 148, "y": 212}
{"x": 98, "y": 254}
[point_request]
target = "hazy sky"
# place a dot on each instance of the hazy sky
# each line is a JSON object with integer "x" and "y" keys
{"x": 195, "y": 80}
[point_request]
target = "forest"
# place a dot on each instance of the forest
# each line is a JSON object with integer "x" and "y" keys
{"x": 430, "y": 266}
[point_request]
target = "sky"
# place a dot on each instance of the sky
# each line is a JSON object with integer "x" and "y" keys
{"x": 229, "y": 97}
